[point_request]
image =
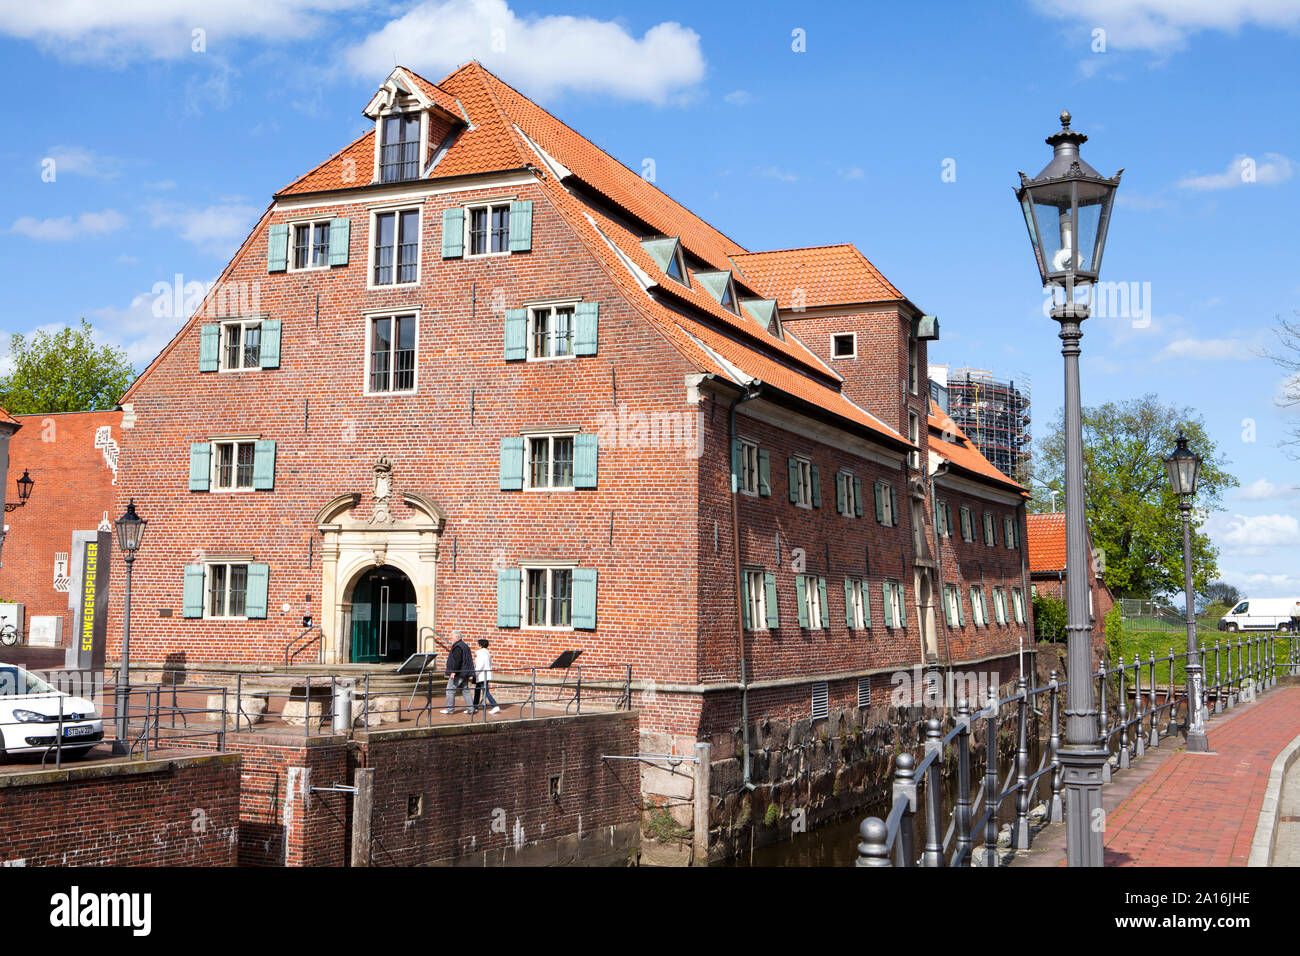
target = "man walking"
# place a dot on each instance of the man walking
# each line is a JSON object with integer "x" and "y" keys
{"x": 460, "y": 670}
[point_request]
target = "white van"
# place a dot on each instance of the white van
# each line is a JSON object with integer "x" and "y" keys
{"x": 1259, "y": 614}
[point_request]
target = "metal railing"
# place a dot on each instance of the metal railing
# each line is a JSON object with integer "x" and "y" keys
{"x": 298, "y": 645}
{"x": 1232, "y": 674}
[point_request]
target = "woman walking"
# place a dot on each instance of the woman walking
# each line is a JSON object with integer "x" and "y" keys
{"x": 483, "y": 673}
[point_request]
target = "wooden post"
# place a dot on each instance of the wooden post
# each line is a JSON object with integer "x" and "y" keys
{"x": 701, "y": 840}
{"x": 362, "y": 802}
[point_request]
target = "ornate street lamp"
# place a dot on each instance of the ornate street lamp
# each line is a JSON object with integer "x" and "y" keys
{"x": 130, "y": 529}
{"x": 1067, "y": 209}
{"x": 1184, "y": 468}
{"x": 24, "y": 492}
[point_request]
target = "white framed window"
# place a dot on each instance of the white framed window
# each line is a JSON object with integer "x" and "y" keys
{"x": 814, "y": 613}
{"x": 855, "y": 610}
{"x": 226, "y": 590}
{"x": 487, "y": 230}
{"x": 756, "y": 600}
{"x": 864, "y": 691}
{"x": 391, "y": 353}
{"x": 913, "y": 365}
{"x": 821, "y": 700}
{"x": 395, "y": 247}
{"x": 896, "y": 603}
{"x": 967, "y": 525}
{"x": 1010, "y": 533}
{"x": 886, "y": 504}
{"x": 803, "y": 497}
{"x": 848, "y": 494}
{"x": 550, "y": 332}
{"x": 241, "y": 345}
{"x": 978, "y": 612}
{"x": 547, "y": 599}
{"x": 748, "y": 467}
{"x": 990, "y": 530}
{"x": 549, "y": 462}
{"x": 1018, "y": 605}
{"x": 844, "y": 345}
{"x": 399, "y": 149}
{"x": 1000, "y": 606}
{"x": 232, "y": 465}
{"x": 309, "y": 245}
{"x": 914, "y": 436}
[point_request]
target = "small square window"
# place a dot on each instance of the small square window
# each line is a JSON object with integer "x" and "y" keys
{"x": 227, "y": 590}
{"x": 548, "y": 597}
{"x": 756, "y": 599}
{"x": 550, "y": 332}
{"x": 414, "y": 806}
{"x": 232, "y": 465}
{"x": 241, "y": 345}
{"x": 844, "y": 345}
{"x": 310, "y": 247}
{"x": 392, "y": 354}
{"x": 550, "y": 461}
{"x": 489, "y": 229}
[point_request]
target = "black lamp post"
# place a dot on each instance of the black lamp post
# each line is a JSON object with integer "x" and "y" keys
{"x": 1184, "y": 468}
{"x": 130, "y": 529}
{"x": 1067, "y": 209}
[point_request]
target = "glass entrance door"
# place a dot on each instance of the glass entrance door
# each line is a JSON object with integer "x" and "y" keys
{"x": 384, "y": 624}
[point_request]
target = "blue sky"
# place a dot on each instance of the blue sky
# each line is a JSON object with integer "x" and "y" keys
{"x": 167, "y": 144}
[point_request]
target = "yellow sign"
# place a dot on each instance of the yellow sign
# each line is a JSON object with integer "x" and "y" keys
{"x": 88, "y": 596}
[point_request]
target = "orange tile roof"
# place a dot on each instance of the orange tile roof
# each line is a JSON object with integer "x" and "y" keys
{"x": 962, "y": 452}
{"x": 350, "y": 166}
{"x": 437, "y": 94}
{"x": 711, "y": 338}
{"x": 828, "y": 275}
{"x": 7, "y": 419}
{"x": 1045, "y": 540}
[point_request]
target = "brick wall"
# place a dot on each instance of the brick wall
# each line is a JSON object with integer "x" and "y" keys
{"x": 182, "y": 811}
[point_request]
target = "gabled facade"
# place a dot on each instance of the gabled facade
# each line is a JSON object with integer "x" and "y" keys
{"x": 477, "y": 365}
{"x": 1045, "y": 537}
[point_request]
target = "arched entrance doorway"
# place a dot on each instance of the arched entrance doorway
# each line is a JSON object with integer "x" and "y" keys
{"x": 384, "y": 618}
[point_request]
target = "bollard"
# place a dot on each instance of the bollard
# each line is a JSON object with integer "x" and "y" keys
{"x": 342, "y": 722}
{"x": 872, "y": 850}
{"x": 1155, "y": 708}
{"x": 1020, "y": 831}
{"x": 1171, "y": 728}
{"x": 933, "y": 855}
{"x": 1055, "y": 808}
{"x": 1103, "y": 738}
{"x": 961, "y": 811}
{"x": 991, "y": 784}
{"x": 905, "y": 789}
{"x": 1122, "y": 719}
{"x": 1139, "y": 738}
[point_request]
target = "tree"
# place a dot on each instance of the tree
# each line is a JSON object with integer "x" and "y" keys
{"x": 1049, "y": 618}
{"x": 1219, "y": 592}
{"x": 1288, "y": 358}
{"x": 1133, "y": 514}
{"x": 63, "y": 372}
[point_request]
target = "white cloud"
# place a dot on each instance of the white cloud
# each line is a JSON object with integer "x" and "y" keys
{"x": 1163, "y": 26}
{"x": 1253, "y": 534}
{"x": 79, "y": 161}
{"x": 1262, "y": 489}
{"x": 1263, "y": 584}
{"x": 739, "y": 98}
{"x": 853, "y": 172}
{"x": 140, "y": 329}
{"x": 1244, "y": 170}
{"x": 773, "y": 172}
{"x": 122, "y": 30}
{"x": 1214, "y": 350}
{"x": 543, "y": 55}
{"x": 217, "y": 229}
{"x": 65, "y": 228}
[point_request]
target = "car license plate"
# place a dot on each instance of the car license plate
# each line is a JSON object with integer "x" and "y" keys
{"x": 78, "y": 731}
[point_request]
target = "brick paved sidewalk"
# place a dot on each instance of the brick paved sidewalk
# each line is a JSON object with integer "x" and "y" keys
{"x": 1179, "y": 809}
{"x": 1202, "y": 809}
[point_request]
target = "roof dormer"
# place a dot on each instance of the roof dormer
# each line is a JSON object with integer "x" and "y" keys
{"x": 412, "y": 117}
{"x": 765, "y": 313}
{"x": 667, "y": 255}
{"x": 721, "y": 287}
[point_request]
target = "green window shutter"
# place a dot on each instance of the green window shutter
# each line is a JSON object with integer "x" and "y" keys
{"x": 516, "y": 334}
{"x": 866, "y": 604}
{"x": 769, "y": 595}
{"x": 521, "y": 225}
{"x": 893, "y": 506}
{"x": 200, "y": 465}
{"x": 269, "y": 351}
{"x": 586, "y": 327}
{"x": 947, "y": 520}
{"x": 585, "y": 454}
{"x": 880, "y": 504}
{"x": 947, "y": 607}
{"x": 938, "y": 527}
{"x": 209, "y": 347}
{"x": 277, "y": 248}
{"x": 764, "y": 473}
{"x": 816, "y": 487}
{"x": 508, "y": 597}
{"x": 841, "y": 493}
{"x": 192, "y": 596}
{"x": 961, "y": 614}
{"x": 825, "y": 605}
{"x": 849, "y": 587}
{"x": 744, "y": 601}
{"x": 801, "y": 595}
{"x": 584, "y": 599}
{"x": 512, "y": 464}
{"x": 255, "y": 597}
{"x": 263, "y": 465}
{"x": 974, "y": 607}
{"x": 857, "y": 497}
{"x": 792, "y": 465}
{"x": 736, "y": 450}
{"x": 885, "y": 591}
{"x": 340, "y": 235}
{"x": 902, "y": 605}
{"x": 453, "y": 247}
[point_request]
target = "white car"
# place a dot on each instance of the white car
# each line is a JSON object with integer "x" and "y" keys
{"x": 30, "y": 716}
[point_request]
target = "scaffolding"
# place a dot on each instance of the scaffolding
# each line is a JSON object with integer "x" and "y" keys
{"x": 994, "y": 414}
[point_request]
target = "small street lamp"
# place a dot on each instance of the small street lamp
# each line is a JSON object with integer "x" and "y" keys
{"x": 24, "y": 491}
{"x": 1067, "y": 209}
{"x": 1184, "y": 467}
{"x": 130, "y": 529}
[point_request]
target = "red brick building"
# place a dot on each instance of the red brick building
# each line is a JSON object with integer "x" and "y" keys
{"x": 72, "y": 459}
{"x": 1045, "y": 537}
{"x": 472, "y": 374}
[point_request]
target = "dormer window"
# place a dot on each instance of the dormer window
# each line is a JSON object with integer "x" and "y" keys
{"x": 675, "y": 270}
{"x": 667, "y": 255}
{"x": 399, "y": 154}
{"x": 764, "y": 312}
{"x": 720, "y": 286}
